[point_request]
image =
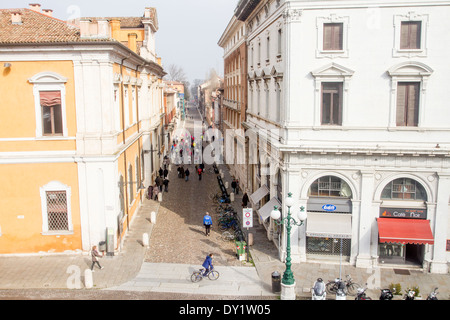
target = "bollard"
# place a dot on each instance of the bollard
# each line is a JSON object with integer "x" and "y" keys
{"x": 145, "y": 240}
{"x": 88, "y": 281}
{"x": 160, "y": 196}
{"x": 222, "y": 175}
{"x": 226, "y": 184}
{"x": 153, "y": 217}
{"x": 232, "y": 197}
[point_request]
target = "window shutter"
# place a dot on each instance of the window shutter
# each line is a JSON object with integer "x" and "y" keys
{"x": 333, "y": 36}
{"x": 410, "y": 35}
{"x": 327, "y": 37}
{"x": 401, "y": 104}
{"x": 413, "y": 104}
{"x": 408, "y": 104}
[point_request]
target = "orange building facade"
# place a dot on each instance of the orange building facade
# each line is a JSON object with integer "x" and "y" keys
{"x": 80, "y": 111}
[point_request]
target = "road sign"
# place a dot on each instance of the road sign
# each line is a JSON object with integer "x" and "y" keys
{"x": 247, "y": 218}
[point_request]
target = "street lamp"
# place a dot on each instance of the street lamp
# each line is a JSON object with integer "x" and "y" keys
{"x": 288, "y": 281}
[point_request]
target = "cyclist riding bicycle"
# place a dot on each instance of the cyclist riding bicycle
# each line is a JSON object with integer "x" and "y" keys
{"x": 207, "y": 264}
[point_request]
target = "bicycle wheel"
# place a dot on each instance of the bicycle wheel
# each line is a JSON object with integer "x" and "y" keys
{"x": 213, "y": 275}
{"x": 353, "y": 289}
{"x": 331, "y": 287}
{"x": 196, "y": 276}
{"x": 223, "y": 226}
{"x": 227, "y": 236}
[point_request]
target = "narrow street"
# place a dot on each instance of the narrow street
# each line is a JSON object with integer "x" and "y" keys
{"x": 179, "y": 234}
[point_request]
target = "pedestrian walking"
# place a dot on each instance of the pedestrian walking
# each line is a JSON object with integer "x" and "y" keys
{"x": 150, "y": 192}
{"x": 233, "y": 185}
{"x": 245, "y": 200}
{"x": 166, "y": 173}
{"x": 187, "y": 173}
{"x": 155, "y": 192}
{"x": 159, "y": 183}
{"x": 166, "y": 184}
{"x": 161, "y": 172}
{"x": 182, "y": 173}
{"x": 207, "y": 222}
{"x": 237, "y": 186}
{"x": 199, "y": 172}
{"x": 179, "y": 172}
{"x": 95, "y": 255}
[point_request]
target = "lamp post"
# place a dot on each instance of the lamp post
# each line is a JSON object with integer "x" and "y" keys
{"x": 288, "y": 281}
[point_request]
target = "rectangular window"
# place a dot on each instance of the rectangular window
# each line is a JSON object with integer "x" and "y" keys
{"x": 51, "y": 112}
{"x": 57, "y": 215}
{"x": 410, "y": 34}
{"x": 333, "y": 36}
{"x": 332, "y": 103}
{"x": 408, "y": 104}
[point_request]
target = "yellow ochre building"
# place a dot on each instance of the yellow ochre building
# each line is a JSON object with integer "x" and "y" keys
{"x": 80, "y": 123}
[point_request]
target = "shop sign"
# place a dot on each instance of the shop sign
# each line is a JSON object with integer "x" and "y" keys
{"x": 329, "y": 207}
{"x": 406, "y": 213}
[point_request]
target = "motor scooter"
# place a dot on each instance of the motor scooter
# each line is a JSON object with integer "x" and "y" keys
{"x": 361, "y": 294}
{"x": 433, "y": 295}
{"x": 318, "y": 290}
{"x": 341, "y": 293}
{"x": 387, "y": 294}
{"x": 409, "y": 295}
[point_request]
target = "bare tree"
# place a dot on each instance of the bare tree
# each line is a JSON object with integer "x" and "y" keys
{"x": 175, "y": 73}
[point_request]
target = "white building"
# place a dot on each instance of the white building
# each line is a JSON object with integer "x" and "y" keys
{"x": 354, "y": 92}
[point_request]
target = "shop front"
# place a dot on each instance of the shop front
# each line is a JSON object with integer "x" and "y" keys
{"x": 403, "y": 227}
{"x": 329, "y": 228}
{"x": 403, "y": 234}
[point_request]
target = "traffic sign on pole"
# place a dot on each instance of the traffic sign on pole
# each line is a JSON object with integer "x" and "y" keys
{"x": 247, "y": 218}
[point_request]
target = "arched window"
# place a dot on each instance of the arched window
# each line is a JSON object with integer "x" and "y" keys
{"x": 330, "y": 186}
{"x": 404, "y": 189}
{"x": 50, "y": 104}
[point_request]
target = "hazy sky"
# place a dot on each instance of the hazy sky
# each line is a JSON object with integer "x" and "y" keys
{"x": 188, "y": 29}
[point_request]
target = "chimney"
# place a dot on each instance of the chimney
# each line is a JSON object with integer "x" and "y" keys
{"x": 85, "y": 28}
{"x": 115, "y": 29}
{"x": 148, "y": 13}
{"x": 35, "y": 7}
{"x": 47, "y": 12}
{"x": 103, "y": 28}
{"x": 16, "y": 18}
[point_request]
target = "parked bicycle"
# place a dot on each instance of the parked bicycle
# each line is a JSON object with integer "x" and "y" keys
{"x": 227, "y": 224}
{"x": 198, "y": 275}
{"x": 350, "y": 288}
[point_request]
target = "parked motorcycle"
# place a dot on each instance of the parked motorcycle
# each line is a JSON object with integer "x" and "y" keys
{"x": 341, "y": 293}
{"x": 387, "y": 294}
{"x": 318, "y": 290}
{"x": 361, "y": 295}
{"x": 409, "y": 295}
{"x": 433, "y": 295}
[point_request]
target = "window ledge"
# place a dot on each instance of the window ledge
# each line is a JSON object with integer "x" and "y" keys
{"x": 57, "y": 233}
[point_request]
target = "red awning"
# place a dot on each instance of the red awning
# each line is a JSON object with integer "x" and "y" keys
{"x": 411, "y": 231}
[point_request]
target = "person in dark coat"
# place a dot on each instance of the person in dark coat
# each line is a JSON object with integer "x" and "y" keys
{"x": 187, "y": 173}
{"x": 159, "y": 183}
{"x": 166, "y": 184}
{"x": 161, "y": 172}
{"x": 245, "y": 200}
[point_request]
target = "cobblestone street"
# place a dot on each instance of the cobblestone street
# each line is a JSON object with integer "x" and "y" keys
{"x": 179, "y": 234}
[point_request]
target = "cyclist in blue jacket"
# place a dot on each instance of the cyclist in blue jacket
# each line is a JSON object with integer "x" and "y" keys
{"x": 207, "y": 222}
{"x": 207, "y": 264}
